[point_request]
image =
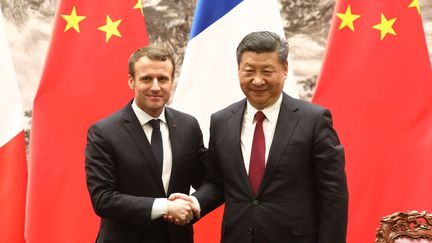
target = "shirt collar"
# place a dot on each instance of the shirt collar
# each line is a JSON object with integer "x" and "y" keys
{"x": 270, "y": 112}
{"x": 143, "y": 117}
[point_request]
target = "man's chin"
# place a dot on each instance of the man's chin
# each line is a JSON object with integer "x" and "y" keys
{"x": 156, "y": 107}
{"x": 258, "y": 101}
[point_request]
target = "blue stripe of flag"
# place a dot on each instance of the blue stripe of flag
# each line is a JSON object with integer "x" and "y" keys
{"x": 209, "y": 11}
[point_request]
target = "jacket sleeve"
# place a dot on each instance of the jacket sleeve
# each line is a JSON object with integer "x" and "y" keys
{"x": 199, "y": 166}
{"x": 102, "y": 183}
{"x": 211, "y": 193}
{"x": 329, "y": 162}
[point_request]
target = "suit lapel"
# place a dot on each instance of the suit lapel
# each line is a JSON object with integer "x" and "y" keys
{"x": 174, "y": 139}
{"x": 285, "y": 126}
{"x": 234, "y": 130}
{"x": 133, "y": 127}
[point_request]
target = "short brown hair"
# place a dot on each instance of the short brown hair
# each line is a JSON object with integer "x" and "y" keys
{"x": 153, "y": 52}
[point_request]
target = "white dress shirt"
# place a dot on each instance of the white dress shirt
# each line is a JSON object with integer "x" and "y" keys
{"x": 248, "y": 128}
{"x": 160, "y": 204}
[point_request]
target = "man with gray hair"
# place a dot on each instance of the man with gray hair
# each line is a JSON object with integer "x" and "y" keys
{"x": 275, "y": 161}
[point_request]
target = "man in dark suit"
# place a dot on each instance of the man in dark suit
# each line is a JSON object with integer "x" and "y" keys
{"x": 275, "y": 161}
{"x": 140, "y": 154}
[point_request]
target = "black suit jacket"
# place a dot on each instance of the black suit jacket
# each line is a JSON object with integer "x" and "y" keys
{"x": 123, "y": 178}
{"x": 303, "y": 194}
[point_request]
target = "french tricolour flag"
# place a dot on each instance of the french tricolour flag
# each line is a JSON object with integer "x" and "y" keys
{"x": 208, "y": 80}
{"x": 13, "y": 167}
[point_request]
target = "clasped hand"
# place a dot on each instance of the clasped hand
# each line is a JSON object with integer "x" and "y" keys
{"x": 181, "y": 209}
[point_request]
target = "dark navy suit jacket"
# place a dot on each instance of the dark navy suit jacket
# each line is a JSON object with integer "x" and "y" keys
{"x": 303, "y": 195}
{"x": 123, "y": 178}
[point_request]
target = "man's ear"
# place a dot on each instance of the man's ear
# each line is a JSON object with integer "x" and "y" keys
{"x": 286, "y": 70}
{"x": 131, "y": 82}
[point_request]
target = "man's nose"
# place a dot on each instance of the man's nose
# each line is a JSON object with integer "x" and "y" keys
{"x": 155, "y": 84}
{"x": 258, "y": 80}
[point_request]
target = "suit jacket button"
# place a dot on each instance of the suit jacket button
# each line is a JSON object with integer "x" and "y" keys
{"x": 255, "y": 202}
{"x": 250, "y": 230}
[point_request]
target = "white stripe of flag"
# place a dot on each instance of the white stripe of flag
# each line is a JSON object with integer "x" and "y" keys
{"x": 208, "y": 80}
{"x": 13, "y": 167}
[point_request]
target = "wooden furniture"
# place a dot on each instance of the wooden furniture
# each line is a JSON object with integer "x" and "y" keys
{"x": 405, "y": 227}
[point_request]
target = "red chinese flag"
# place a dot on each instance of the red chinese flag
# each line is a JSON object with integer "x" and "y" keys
{"x": 377, "y": 81}
{"x": 13, "y": 166}
{"x": 85, "y": 79}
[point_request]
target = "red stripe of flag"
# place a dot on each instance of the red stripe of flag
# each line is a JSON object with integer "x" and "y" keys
{"x": 13, "y": 180}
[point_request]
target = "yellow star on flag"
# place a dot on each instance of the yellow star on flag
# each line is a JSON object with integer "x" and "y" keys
{"x": 138, "y": 5}
{"x": 386, "y": 26}
{"x": 415, "y": 4}
{"x": 347, "y": 18}
{"x": 73, "y": 20}
{"x": 110, "y": 28}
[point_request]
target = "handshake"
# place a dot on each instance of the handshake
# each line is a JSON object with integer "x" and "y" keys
{"x": 181, "y": 209}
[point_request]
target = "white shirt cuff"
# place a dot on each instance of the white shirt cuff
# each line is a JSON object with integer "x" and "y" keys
{"x": 159, "y": 208}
